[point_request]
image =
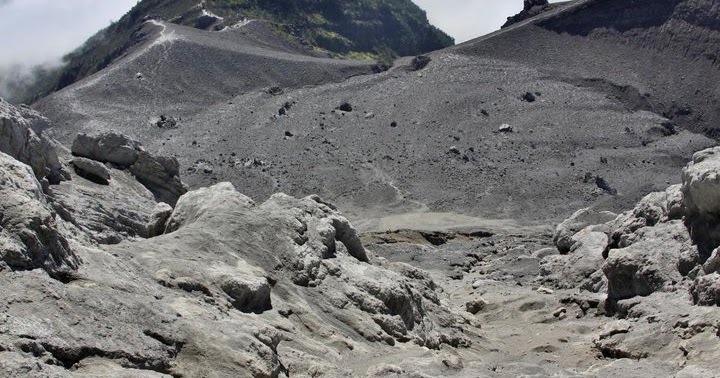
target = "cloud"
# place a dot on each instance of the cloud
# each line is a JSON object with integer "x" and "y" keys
{"x": 39, "y": 31}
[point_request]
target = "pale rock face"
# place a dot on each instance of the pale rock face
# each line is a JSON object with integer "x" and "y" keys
{"x": 29, "y": 237}
{"x": 712, "y": 265}
{"x": 647, "y": 249}
{"x": 577, "y": 222}
{"x": 253, "y": 289}
{"x": 650, "y": 261}
{"x": 160, "y": 175}
{"x": 206, "y": 203}
{"x": 701, "y": 183}
{"x": 578, "y": 268}
{"x": 701, "y": 190}
{"x": 21, "y": 137}
{"x": 158, "y": 220}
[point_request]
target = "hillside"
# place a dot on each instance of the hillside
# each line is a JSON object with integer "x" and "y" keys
{"x": 370, "y": 29}
{"x": 613, "y": 117}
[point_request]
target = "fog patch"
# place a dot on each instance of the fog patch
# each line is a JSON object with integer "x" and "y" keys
{"x": 18, "y": 81}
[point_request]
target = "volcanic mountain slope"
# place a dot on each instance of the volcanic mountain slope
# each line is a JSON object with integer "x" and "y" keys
{"x": 597, "y": 116}
{"x": 368, "y": 29}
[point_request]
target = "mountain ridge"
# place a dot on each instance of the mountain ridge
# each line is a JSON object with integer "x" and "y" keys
{"x": 368, "y": 29}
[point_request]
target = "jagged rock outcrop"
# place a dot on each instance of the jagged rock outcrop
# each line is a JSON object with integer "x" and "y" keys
{"x": 668, "y": 242}
{"x": 651, "y": 259}
{"x": 579, "y": 266}
{"x": 229, "y": 287}
{"x": 21, "y": 137}
{"x": 159, "y": 174}
{"x": 104, "y": 211}
{"x": 531, "y": 8}
{"x": 29, "y": 236}
{"x": 705, "y": 290}
{"x": 701, "y": 195}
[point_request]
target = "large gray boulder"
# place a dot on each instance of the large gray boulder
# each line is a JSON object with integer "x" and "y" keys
{"x": 653, "y": 259}
{"x": 266, "y": 256}
{"x": 701, "y": 192}
{"x": 107, "y": 148}
{"x": 21, "y": 137}
{"x": 91, "y": 170}
{"x": 205, "y": 204}
{"x": 29, "y": 237}
{"x": 119, "y": 209}
{"x": 580, "y": 267}
{"x": 158, "y": 220}
{"x": 581, "y": 219}
{"x": 157, "y": 173}
{"x": 160, "y": 175}
{"x": 637, "y": 253}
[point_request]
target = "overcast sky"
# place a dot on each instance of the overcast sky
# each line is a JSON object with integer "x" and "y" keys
{"x": 40, "y": 31}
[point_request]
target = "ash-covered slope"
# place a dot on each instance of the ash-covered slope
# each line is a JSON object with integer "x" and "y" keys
{"x": 660, "y": 56}
{"x": 367, "y": 29}
{"x": 177, "y": 71}
{"x": 594, "y": 117}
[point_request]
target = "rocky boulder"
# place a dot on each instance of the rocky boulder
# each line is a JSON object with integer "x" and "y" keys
{"x": 581, "y": 219}
{"x": 258, "y": 258}
{"x": 29, "y": 236}
{"x": 159, "y": 174}
{"x": 701, "y": 184}
{"x": 580, "y": 266}
{"x": 158, "y": 220}
{"x": 205, "y": 204}
{"x": 668, "y": 242}
{"x": 21, "y": 137}
{"x": 653, "y": 259}
{"x": 701, "y": 193}
{"x": 107, "y": 148}
{"x": 92, "y": 170}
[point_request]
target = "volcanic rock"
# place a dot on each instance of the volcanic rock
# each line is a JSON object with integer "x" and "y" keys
{"x": 420, "y": 62}
{"x": 158, "y": 174}
{"x": 706, "y": 290}
{"x": 107, "y": 148}
{"x": 158, "y": 220}
{"x": 701, "y": 184}
{"x": 29, "y": 235}
{"x": 21, "y": 136}
{"x": 91, "y": 170}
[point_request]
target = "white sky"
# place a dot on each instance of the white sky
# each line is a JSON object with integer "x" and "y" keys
{"x": 41, "y": 31}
